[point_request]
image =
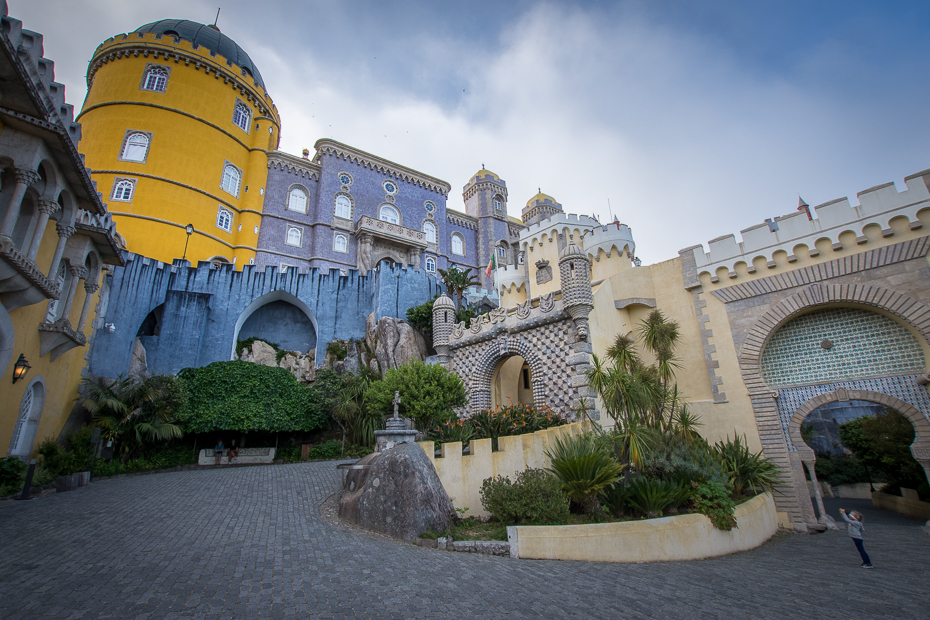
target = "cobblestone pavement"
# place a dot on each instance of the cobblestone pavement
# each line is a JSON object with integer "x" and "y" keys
{"x": 250, "y": 543}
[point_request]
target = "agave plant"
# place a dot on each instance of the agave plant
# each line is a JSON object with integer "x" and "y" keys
{"x": 744, "y": 469}
{"x": 583, "y": 468}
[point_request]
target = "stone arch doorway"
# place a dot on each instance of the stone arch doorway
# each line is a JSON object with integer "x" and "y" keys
{"x": 920, "y": 447}
{"x": 277, "y": 317}
{"x": 512, "y": 382}
{"x": 774, "y": 406}
{"x": 495, "y": 359}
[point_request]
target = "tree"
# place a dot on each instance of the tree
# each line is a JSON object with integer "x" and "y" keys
{"x": 350, "y": 408}
{"x": 428, "y": 393}
{"x": 457, "y": 281}
{"x": 883, "y": 443}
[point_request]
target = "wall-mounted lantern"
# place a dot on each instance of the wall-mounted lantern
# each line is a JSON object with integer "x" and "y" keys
{"x": 189, "y": 229}
{"x": 20, "y": 368}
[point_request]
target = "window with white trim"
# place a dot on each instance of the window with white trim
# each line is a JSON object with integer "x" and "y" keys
{"x": 283, "y": 267}
{"x": 242, "y": 116}
{"x": 430, "y": 264}
{"x": 123, "y": 190}
{"x": 520, "y": 258}
{"x": 340, "y": 243}
{"x": 501, "y": 252}
{"x": 224, "y": 219}
{"x": 458, "y": 244}
{"x": 231, "y": 179}
{"x": 297, "y": 200}
{"x": 389, "y": 214}
{"x": 294, "y": 235}
{"x": 498, "y": 203}
{"x": 430, "y": 230}
{"x": 135, "y": 148}
{"x": 343, "y": 207}
{"x": 156, "y": 79}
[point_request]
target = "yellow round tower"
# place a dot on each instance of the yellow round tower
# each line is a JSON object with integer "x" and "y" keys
{"x": 177, "y": 125}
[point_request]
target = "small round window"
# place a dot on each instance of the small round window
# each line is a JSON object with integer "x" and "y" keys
{"x": 389, "y": 187}
{"x": 345, "y": 179}
{"x": 430, "y": 207}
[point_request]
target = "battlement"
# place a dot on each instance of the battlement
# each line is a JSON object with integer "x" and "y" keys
{"x": 609, "y": 237}
{"x": 507, "y": 276}
{"x": 558, "y": 222}
{"x": 877, "y": 206}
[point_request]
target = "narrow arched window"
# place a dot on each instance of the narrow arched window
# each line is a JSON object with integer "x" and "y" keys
{"x": 501, "y": 252}
{"x": 458, "y": 244}
{"x": 297, "y": 200}
{"x": 343, "y": 207}
{"x": 430, "y": 229}
{"x": 224, "y": 219}
{"x": 293, "y": 236}
{"x": 340, "y": 243}
{"x": 498, "y": 203}
{"x": 156, "y": 78}
{"x": 136, "y": 147}
{"x": 431, "y": 264}
{"x": 389, "y": 214}
{"x": 122, "y": 190}
{"x": 231, "y": 179}
{"x": 242, "y": 116}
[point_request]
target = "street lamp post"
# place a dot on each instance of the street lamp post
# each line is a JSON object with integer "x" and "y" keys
{"x": 189, "y": 229}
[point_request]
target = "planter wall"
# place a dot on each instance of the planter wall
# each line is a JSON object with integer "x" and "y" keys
{"x": 906, "y": 506}
{"x": 685, "y": 537}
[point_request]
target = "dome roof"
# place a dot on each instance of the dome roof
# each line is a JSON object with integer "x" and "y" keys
{"x": 443, "y": 301}
{"x": 571, "y": 250}
{"x": 541, "y": 198}
{"x": 209, "y": 37}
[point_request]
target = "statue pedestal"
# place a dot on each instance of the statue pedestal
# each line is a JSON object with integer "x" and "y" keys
{"x": 395, "y": 433}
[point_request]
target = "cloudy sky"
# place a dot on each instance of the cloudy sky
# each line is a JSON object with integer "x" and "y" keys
{"x": 693, "y": 119}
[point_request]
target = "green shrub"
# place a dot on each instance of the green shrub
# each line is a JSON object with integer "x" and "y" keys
{"x": 327, "y": 450}
{"x": 164, "y": 458}
{"x": 336, "y": 350}
{"x": 12, "y": 475}
{"x": 713, "y": 500}
{"x": 247, "y": 344}
{"x": 421, "y": 317}
{"x": 244, "y": 397}
{"x": 428, "y": 393}
{"x": 535, "y": 496}
{"x": 452, "y": 430}
{"x": 672, "y": 458}
{"x": 583, "y": 468}
{"x": 844, "y": 469}
{"x": 652, "y": 497}
{"x": 357, "y": 451}
{"x": 73, "y": 457}
{"x": 883, "y": 443}
{"x": 507, "y": 420}
{"x": 615, "y": 497}
{"x": 744, "y": 469}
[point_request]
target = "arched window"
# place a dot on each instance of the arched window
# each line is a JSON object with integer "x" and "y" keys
{"x": 343, "y": 207}
{"x": 242, "y": 116}
{"x": 520, "y": 258}
{"x": 224, "y": 219}
{"x": 389, "y": 214}
{"x": 430, "y": 229}
{"x": 340, "y": 243}
{"x": 498, "y": 203}
{"x": 122, "y": 190}
{"x": 27, "y": 423}
{"x": 293, "y": 236}
{"x": 458, "y": 244}
{"x": 136, "y": 147}
{"x": 501, "y": 252}
{"x": 430, "y": 264}
{"x": 156, "y": 78}
{"x": 297, "y": 200}
{"x": 231, "y": 178}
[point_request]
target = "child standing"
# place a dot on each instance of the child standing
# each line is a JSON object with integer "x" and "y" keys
{"x": 855, "y": 529}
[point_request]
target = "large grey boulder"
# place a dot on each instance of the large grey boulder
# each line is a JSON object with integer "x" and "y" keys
{"x": 395, "y": 342}
{"x": 400, "y": 494}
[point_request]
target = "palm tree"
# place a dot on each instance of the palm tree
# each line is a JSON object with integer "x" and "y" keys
{"x": 457, "y": 282}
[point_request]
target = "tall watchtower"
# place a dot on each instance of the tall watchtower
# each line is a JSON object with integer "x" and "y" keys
{"x": 485, "y": 198}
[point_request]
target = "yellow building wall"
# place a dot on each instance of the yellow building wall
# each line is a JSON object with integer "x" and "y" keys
{"x": 193, "y": 136}
{"x": 62, "y": 376}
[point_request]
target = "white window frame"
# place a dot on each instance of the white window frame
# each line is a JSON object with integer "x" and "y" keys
{"x": 119, "y": 184}
{"x": 432, "y": 227}
{"x": 345, "y": 242}
{"x": 244, "y": 120}
{"x": 306, "y": 196}
{"x": 501, "y": 252}
{"x": 223, "y": 185}
{"x": 131, "y": 135}
{"x": 300, "y": 236}
{"x": 498, "y": 203}
{"x": 159, "y": 71}
{"x": 219, "y": 219}
{"x": 430, "y": 261}
{"x": 381, "y": 211}
{"x": 461, "y": 240}
{"x": 283, "y": 267}
{"x": 348, "y": 201}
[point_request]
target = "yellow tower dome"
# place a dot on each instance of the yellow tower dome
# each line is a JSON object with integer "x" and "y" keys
{"x": 177, "y": 126}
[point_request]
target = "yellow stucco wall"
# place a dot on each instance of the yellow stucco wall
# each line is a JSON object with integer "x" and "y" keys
{"x": 193, "y": 136}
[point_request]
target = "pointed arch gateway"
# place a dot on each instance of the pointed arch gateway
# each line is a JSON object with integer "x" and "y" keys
{"x": 498, "y": 351}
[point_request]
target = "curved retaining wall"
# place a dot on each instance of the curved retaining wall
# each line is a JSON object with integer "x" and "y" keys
{"x": 684, "y": 537}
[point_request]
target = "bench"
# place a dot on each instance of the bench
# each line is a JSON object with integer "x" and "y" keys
{"x": 246, "y": 456}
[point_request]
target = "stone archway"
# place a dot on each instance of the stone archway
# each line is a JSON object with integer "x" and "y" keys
{"x": 920, "y": 448}
{"x": 503, "y": 347}
{"x": 775, "y": 442}
{"x": 265, "y": 300}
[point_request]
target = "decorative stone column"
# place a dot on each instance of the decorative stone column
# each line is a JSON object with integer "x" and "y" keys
{"x": 578, "y": 302}
{"x": 363, "y": 256}
{"x": 76, "y": 274}
{"x": 396, "y": 431}
{"x": 47, "y": 208}
{"x": 64, "y": 233}
{"x": 89, "y": 290}
{"x": 443, "y": 320}
{"x": 24, "y": 178}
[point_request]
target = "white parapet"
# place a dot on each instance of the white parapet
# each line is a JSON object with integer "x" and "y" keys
{"x": 558, "y": 223}
{"x": 877, "y": 206}
{"x": 507, "y": 276}
{"x": 615, "y": 236}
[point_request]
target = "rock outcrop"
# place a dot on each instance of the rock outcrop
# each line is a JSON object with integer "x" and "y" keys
{"x": 298, "y": 364}
{"x": 395, "y": 342}
{"x": 400, "y": 494}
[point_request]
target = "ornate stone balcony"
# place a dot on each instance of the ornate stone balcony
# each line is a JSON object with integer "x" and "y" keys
{"x": 21, "y": 281}
{"x": 395, "y": 234}
{"x": 59, "y": 337}
{"x": 102, "y": 230}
